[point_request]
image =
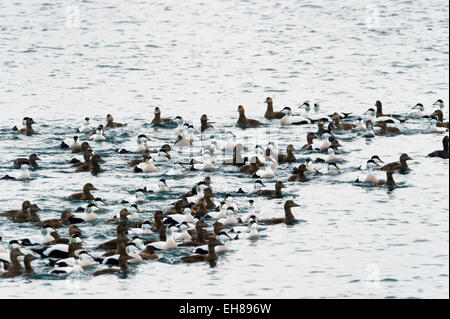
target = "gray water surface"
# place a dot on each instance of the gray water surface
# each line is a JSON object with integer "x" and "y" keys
{"x": 197, "y": 57}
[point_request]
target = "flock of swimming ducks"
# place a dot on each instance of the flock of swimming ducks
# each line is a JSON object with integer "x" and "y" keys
{"x": 197, "y": 218}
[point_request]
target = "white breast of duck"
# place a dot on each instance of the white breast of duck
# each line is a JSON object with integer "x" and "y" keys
{"x": 267, "y": 172}
{"x": 230, "y": 220}
{"x": 169, "y": 244}
{"x": 24, "y": 173}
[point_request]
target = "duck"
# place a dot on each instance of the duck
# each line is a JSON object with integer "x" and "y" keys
{"x": 385, "y": 129}
{"x": 243, "y": 122}
{"x": 135, "y": 162}
{"x": 146, "y": 167}
{"x": 85, "y": 195}
{"x": 93, "y": 166}
{"x": 24, "y": 120}
{"x": 401, "y": 165}
{"x": 88, "y": 215}
{"x": 135, "y": 215}
{"x": 388, "y": 118}
{"x": 170, "y": 242}
{"x": 230, "y": 219}
{"x": 417, "y": 114}
{"x": 11, "y": 213}
{"x": 139, "y": 196}
{"x": 87, "y": 154}
{"x": 332, "y": 157}
{"x": 317, "y": 116}
{"x": 375, "y": 158}
{"x": 288, "y": 218}
{"x": 326, "y": 144}
{"x": 144, "y": 229}
{"x": 110, "y": 122}
{"x": 333, "y": 169}
{"x": 439, "y": 103}
{"x": 15, "y": 271}
{"x": 158, "y": 119}
{"x": 251, "y": 213}
{"x": 342, "y": 126}
{"x": 56, "y": 223}
{"x": 369, "y": 132}
{"x": 28, "y": 130}
{"x": 161, "y": 188}
{"x": 229, "y": 202}
{"x": 98, "y": 136}
{"x": 289, "y": 157}
{"x": 29, "y": 216}
{"x": 265, "y": 173}
{"x": 31, "y": 161}
{"x": 441, "y": 153}
{"x": 43, "y": 238}
{"x": 184, "y": 234}
{"x": 75, "y": 268}
{"x": 389, "y": 182}
{"x": 123, "y": 267}
{"x": 300, "y": 176}
{"x": 141, "y": 145}
{"x": 361, "y": 126}
{"x": 86, "y": 128}
{"x": 176, "y": 219}
{"x": 24, "y": 173}
{"x": 270, "y": 114}
{"x": 75, "y": 145}
{"x": 177, "y": 169}
{"x": 229, "y": 144}
{"x": 310, "y": 141}
{"x": 272, "y": 193}
{"x": 434, "y": 128}
{"x": 371, "y": 178}
{"x": 82, "y": 149}
{"x": 289, "y": 119}
{"x": 222, "y": 213}
{"x": 309, "y": 167}
{"x": 186, "y": 137}
{"x": 440, "y": 117}
{"x": 210, "y": 257}
{"x": 162, "y": 156}
{"x": 205, "y": 127}
{"x": 60, "y": 251}
{"x": 123, "y": 217}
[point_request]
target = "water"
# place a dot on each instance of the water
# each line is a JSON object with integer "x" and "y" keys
{"x": 125, "y": 58}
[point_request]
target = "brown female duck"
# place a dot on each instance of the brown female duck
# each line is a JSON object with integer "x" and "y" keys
{"x": 342, "y": 126}
{"x": 204, "y": 123}
{"x": 158, "y": 119}
{"x": 85, "y": 195}
{"x": 387, "y": 129}
{"x": 300, "y": 176}
{"x": 288, "y": 216}
{"x": 55, "y": 223}
{"x": 110, "y": 122}
{"x": 289, "y": 157}
{"x": 440, "y": 117}
{"x": 270, "y": 114}
{"x": 441, "y": 153}
{"x": 401, "y": 165}
{"x": 310, "y": 141}
{"x": 11, "y": 213}
{"x": 270, "y": 192}
{"x": 31, "y": 161}
{"x": 243, "y": 121}
{"x": 211, "y": 256}
{"x": 28, "y": 129}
